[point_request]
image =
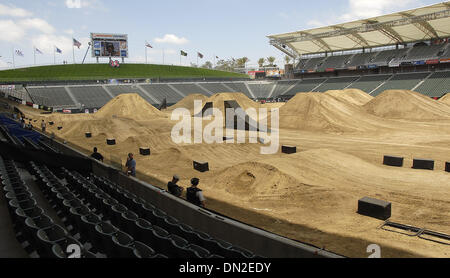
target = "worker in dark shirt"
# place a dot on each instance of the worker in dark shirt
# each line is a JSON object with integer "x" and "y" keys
{"x": 194, "y": 195}
{"x": 131, "y": 165}
{"x": 173, "y": 187}
{"x": 97, "y": 155}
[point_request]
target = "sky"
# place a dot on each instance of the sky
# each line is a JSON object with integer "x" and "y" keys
{"x": 231, "y": 28}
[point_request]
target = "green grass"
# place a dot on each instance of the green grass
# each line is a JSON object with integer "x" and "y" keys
{"x": 104, "y": 71}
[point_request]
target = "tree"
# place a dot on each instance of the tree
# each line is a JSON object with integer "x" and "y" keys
{"x": 261, "y": 62}
{"x": 287, "y": 59}
{"x": 207, "y": 65}
{"x": 245, "y": 60}
{"x": 271, "y": 61}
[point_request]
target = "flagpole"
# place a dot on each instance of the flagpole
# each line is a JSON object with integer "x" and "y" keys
{"x": 34, "y": 52}
{"x": 163, "y": 56}
{"x": 146, "y": 62}
{"x": 54, "y": 55}
{"x": 73, "y": 50}
{"x": 14, "y": 60}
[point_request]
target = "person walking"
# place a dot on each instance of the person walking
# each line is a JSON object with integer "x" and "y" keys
{"x": 43, "y": 126}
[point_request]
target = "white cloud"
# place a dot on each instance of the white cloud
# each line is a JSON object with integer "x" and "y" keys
{"x": 172, "y": 39}
{"x": 47, "y": 42}
{"x": 370, "y": 8}
{"x": 11, "y": 31}
{"x": 69, "y": 31}
{"x": 38, "y": 24}
{"x": 74, "y": 4}
{"x": 13, "y": 11}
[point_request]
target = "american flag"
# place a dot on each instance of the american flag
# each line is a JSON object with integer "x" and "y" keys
{"x": 58, "y": 50}
{"x": 19, "y": 53}
{"x": 38, "y": 51}
{"x": 76, "y": 43}
{"x": 148, "y": 45}
{"x": 200, "y": 55}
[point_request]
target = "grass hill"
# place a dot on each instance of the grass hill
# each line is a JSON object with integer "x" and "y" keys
{"x": 104, "y": 71}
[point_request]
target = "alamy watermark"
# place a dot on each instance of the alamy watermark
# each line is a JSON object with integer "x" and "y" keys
{"x": 236, "y": 120}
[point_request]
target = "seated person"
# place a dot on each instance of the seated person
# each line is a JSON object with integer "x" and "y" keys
{"x": 173, "y": 188}
{"x": 97, "y": 155}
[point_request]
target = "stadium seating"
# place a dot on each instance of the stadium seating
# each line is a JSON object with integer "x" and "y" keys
{"x": 335, "y": 62}
{"x": 401, "y": 82}
{"x": 261, "y": 90}
{"x": 91, "y": 96}
{"x": 306, "y": 85}
{"x": 283, "y": 86}
{"x": 361, "y": 59}
{"x": 215, "y": 88}
{"x": 369, "y": 83}
{"x": 51, "y": 96}
{"x": 336, "y": 84}
{"x": 190, "y": 89}
{"x": 161, "y": 92}
{"x": 423, "y": 52}
{"x": 239, "y": 87}
{"x": 437, "y": 85}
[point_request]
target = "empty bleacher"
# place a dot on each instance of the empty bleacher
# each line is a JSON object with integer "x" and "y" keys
{"x": 190, "y": 89}
{"x": 369, "y": 83}
{"x": 239, "y": 87}
{"x": 215, "y": 88}
{"x": 384, "y": 57}
{"x": 335, "y": 62}
{"x": 437, "y": 85}
{"x": 336, "y": 84}
{"x": 401, "y": 82}
{"x": 161, "y": 92}
{"x": 122, "y": 89}
{"x": 361, "y": 59}
{"x": 51, "y": 96}
{"x": 283, "y": 86}
{"x": 423, "y": 52}
{"x": 91, "y": 96}
{"x": 306, "y": 85}
{"x": 261, "y": 89}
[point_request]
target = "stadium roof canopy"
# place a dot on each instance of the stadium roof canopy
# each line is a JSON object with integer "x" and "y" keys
{"x": 398, "y": 28}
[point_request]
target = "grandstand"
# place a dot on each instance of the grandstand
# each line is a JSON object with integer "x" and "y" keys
{"x": 70, "y": 200}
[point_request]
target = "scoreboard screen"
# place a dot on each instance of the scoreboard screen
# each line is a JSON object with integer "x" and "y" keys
{"x": 109, "y": 45}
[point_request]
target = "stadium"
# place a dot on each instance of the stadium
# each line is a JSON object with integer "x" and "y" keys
{"x": 362, "y": 165}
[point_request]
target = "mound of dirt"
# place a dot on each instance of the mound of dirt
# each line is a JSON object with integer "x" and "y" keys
{"x": 409, "y": 105}
{"x": 354, "y": 96}
{"x": 131, "y": 106}
{"x": 254, "y": 179}
{"x": 326, "y": 113}
{"x": 188, "y": 102}
{"x": 240, "y": 98}
{"x": 445, "y": 99}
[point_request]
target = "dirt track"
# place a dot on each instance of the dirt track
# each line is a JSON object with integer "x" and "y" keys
{"x": 312, "y": 195}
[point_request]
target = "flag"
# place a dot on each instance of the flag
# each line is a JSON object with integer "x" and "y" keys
{"x": 183, "y": 53}
{"x": 38, "y": 51}
{"x": 76, "y": 43}
{"x": 19, "y": 53}
{"x": 217, "y": 57}
{"x": 200, "y": 55}
{"x": 58, "y": 50}
{"x": 148, "y": 45}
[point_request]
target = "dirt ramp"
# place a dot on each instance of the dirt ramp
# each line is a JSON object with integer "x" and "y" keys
{"x": 445, "y": 99}
{"x": 188, "y": 102}
{"x": 254, "y": 180}
{"x": 131, "y": 106}
{"x": 408, "y": 105}
{"x": 326, "y": 113}
{"x": 245, "y": 102}
{"x": 354, "y": 96}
